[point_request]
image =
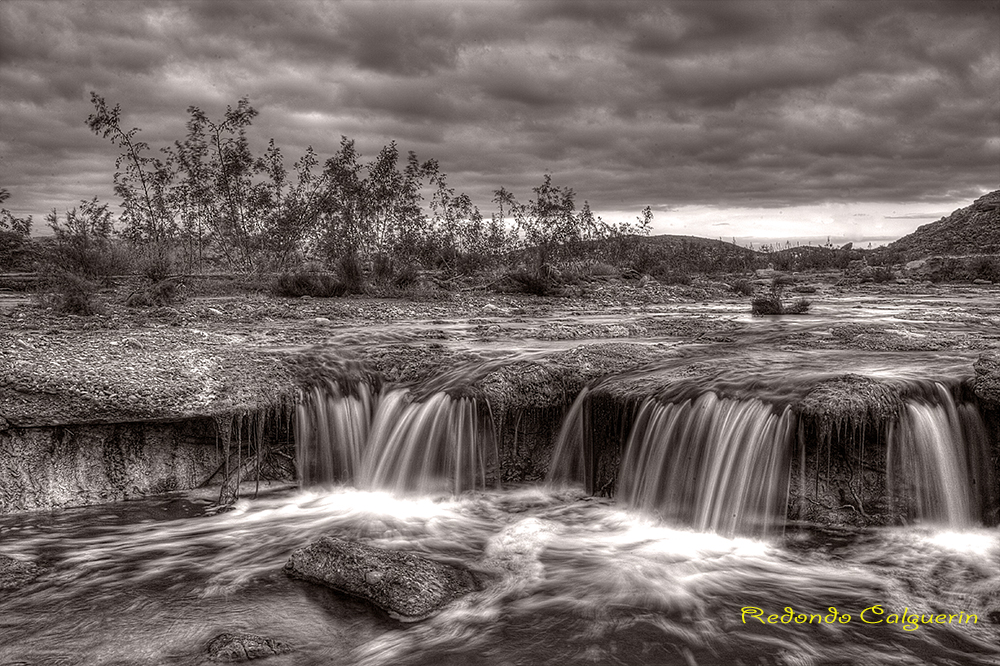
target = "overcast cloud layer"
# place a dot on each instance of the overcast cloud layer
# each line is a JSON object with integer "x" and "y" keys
{"x": 726, "y": 117}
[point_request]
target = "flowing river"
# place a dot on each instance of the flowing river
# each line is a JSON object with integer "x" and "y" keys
{"x": 577, "y": 580}
{"x": 672, "y": 571}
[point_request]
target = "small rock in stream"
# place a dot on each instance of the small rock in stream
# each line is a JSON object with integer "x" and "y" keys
{"x": 16, "y": 573}
{"x": 406, "y": 586}
{"x": 243, "y": 647}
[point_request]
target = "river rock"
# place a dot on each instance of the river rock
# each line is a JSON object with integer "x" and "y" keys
{"x": 16, "y": 573}
{"x": 244, "y": 647}
{"x": 987, "y": 384}
{"x": 406, "y": 586}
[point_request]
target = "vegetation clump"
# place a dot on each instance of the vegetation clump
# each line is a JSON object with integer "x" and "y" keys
{"x": 743, "y": 287}
{"x": 295, "y": 284}
{"x": 209, "y": 203}
{"x": 771, "y": 303}
{"x": 81, "y": 259}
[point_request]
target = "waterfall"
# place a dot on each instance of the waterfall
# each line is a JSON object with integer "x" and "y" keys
{"x": 723, "y": 464}
{"x": 938, "y": 461}
{"x": 392, "y": 440}
{"x": 331, "y": 432}
{"x": 714, "y": 463}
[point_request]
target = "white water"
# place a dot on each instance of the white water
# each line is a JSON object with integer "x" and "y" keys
{"x": 938, "y": 456}
{"x": 723, "y": 464}
{"x": 392, "y": 441}
{"x": 657, "y": 578}
{"x": 716, "y": 464}
{"x": 574, "y": 580}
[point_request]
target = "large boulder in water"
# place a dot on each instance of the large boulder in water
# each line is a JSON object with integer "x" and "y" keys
{"x": 406, "y": 586}
{"x": 987, "y": 384}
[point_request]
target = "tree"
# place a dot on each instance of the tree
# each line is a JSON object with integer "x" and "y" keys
{"x": 82, "y": 239}
{"x": 548, "y": 224}
{"x": 144, "y": 181}
{"x": 9, "y": 222}
{"x": 544, "y": 223}
{"x": 17, "y": 252}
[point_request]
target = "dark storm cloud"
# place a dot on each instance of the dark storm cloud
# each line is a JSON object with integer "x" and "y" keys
{"x": 738, "y": 103}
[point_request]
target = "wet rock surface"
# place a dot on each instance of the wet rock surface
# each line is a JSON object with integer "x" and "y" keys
{"x": 852, "y": 400}
{"x": 406, "y": 586}
{"x": 16, "y": 573}
{"x": 244, "y": 647}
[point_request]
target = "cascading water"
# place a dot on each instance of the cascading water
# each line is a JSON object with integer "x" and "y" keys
{"x": 392, "y": 441}
{"x": 331, "y": 433}
{"x": 726, "y": 464}
{"x": 938, "y": 459}
{"x": 569, "y": 578}
{"x": 713, "y": 463}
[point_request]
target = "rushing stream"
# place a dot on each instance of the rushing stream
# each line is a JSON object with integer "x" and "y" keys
{"x": 673, "y": 571}
{"x": 577, "y": 581}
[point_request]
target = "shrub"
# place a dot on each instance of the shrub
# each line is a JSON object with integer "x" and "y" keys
{"x": 766, "y": 304}
{"x": 985, "y": 268}
{"x": 76, "y": 295}
{"x": 882, "y": 274}
{"x": 158, "y": 294}
{"x": 530, "y": 282}
{"x": 82, "y": 243}
{"x": 601, "y": 269}
{"x": 351, "y": 274}
{"x": 770, "y": 303}
{"x": 800, "y": 306}
{"x": 406, "y": 277}
{"x": 17, "y": 251}
{"x": 382, "y": 269}
{"x": 156, "y": 264}
{"x": 305, "y": 283}
{"x": 743, "y": 287}
{"x": 666, "y": 273}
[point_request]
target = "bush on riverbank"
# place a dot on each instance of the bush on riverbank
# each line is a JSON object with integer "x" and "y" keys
{"x": 304, "y": 283}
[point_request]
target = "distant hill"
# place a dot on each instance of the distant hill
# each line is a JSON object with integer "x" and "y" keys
{"x": 693, "y": 253}
{"x": 974, "y": 229}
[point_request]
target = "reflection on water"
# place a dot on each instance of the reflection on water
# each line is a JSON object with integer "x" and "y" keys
{"x": 573, "y": 580}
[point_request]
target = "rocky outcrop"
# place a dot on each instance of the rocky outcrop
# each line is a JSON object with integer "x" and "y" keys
{"x": 16, "y": 573}
{"x": 46, "y": 468}
{"x": 406, "y": 586}
{"x": 852, "y": 401}
{"x": 244, "y": 647}
{"x": 974, "y": 229}
{"x": 987, "y": 383}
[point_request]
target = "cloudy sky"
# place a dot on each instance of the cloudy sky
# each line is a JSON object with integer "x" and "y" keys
{"x": 783, "y": 119}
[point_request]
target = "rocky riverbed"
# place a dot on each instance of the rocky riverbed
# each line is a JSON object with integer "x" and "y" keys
{"x": 215, "y": 355}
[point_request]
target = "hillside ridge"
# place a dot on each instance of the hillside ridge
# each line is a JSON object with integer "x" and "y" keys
{"x": 974, "y": 229}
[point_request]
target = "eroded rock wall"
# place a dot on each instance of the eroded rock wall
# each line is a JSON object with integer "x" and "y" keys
{"x": 75, "y": 465}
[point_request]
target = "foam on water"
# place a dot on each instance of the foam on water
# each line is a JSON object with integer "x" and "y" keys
{"x": 568, "y": 579}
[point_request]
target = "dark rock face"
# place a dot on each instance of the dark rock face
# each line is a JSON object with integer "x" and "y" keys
{"x": 16, "y": 573}
{"x": 987, "y": 385}
{"x": 244, "y": 647}
{"x": 406, "y": 586}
